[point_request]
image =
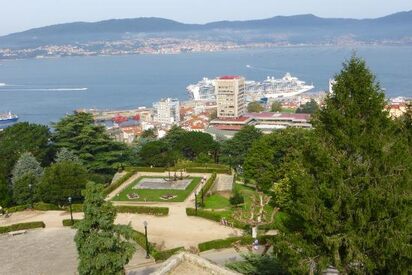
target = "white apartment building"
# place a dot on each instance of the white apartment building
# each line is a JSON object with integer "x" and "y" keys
{"x": 167, "y": 111}
{"x": 230, "y": 96}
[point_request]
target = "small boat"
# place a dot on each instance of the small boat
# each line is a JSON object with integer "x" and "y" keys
{"x": 7, "y": 119}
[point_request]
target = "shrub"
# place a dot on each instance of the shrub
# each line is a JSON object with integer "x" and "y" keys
{"x": 225, "y": 243}
{"x": 21, "y": 226}
{"x": 208, "y": 170}
{"x": 165, "y": 254}
{"x": 68, "y": 222}
{"x": 17, "y": 208}
{"x": 42, "y": 206}
{"x": 236, "y": 199}
{"x": 157, "y": 211}
{"x": 116, "y": 184}
{"x": 208, "y": 185}
{"x": 150, "y": 169}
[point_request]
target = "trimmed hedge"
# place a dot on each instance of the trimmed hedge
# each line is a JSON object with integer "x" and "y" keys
{"x": 16, "y": 208}
{"x": 208, "y": 185}
{"x": 150, "y": 210}
{"x": 68, "y": 222}
{"x": 214, "y": 216}
{"x": 165, "y": 254}
{"x": 226, "y": 243}
{"x": 151, "y": 169}
{"x": 21, "y": 226}
{"x": 208, "y": 170}
{"x": 116, "y": 184}
{"x": 42, "y": 206}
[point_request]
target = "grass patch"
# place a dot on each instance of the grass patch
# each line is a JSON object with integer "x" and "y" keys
{"x": 155, "y": 194}
{"x": 216, "y": 201}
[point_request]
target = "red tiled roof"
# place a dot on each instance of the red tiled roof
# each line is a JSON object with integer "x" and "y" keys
{"x": 229, "y": 77}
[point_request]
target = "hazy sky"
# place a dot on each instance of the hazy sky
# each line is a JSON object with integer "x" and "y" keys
{"x": 18, "y": 15}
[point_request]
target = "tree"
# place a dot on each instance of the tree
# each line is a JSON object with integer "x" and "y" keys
{"x": 24, "y": 137}
{"x": 103, "y": 247}
{"x": 5, "y": 194}
{"x": 149, "y": 134}
{"x": 90, "y": 143}
{"x": 255, "y": 264}
{"x": 158, "y": 153}
{"x": 276, "y": 107}
{"x": 62, "y": 180}
{"x": 310, "y": 107}
{"x": 350, "y": 186}
{"x": 233, "y": 151}
{"x": 65, "y": 154}
{"x": 254, "y": 107}
{"x": 264, "y": 162}
{"x": 26, "y": 175}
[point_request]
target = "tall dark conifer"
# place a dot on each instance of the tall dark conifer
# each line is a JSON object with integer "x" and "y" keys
{"x": 351, "y": 188}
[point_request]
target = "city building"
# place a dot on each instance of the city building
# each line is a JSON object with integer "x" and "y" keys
{"x": 167, "y": 111}
{"x": 230, "y": 96}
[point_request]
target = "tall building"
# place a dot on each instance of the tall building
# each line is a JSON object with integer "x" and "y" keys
{"x": 230, "y": 96}
{"x": 167, "y": 111}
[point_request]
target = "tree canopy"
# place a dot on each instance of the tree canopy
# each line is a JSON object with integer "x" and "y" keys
{"x": 350, "y": 186}
{"x": 233, "y": 151}
{"x": 62, "y": 180}
{"x": 90, "y": 143}
{"x": 276, "y": 107}
{"x": 24, "y": 137}
{"x": 103, "y": 247}
{"x": 310, "y": 107}
{"x": 255, "y": 107}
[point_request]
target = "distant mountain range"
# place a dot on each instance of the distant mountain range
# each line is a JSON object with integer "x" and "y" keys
{"x": 293, "y": 29}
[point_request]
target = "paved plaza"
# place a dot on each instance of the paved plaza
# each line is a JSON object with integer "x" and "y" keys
{"x": 40, "y": 251}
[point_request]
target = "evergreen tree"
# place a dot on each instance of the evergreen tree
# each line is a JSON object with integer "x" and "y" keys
{"x": 27, "y": 163}
{"x": 90, "y": 143}
{"x": 62, "y": 180}
{"x": 310, "y": 107}
{"x": 254, "y": 107}
{"x": 5, "y": 194}
{"x": 276, "y": 107}
{"x": 350, "y": 186}
{"x": 233, "y": 151}
{"x": 103, "y": 247}
{"x": 24, "y": 137}
{"x": 266, "y": 157}
{"x": 26, "y": 175}
{"x": 65, "y": 154}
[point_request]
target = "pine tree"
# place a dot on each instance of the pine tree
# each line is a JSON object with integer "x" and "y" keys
{"x": 65, "y": 154}
{"x": 103, "y": 247}
{"x": 351, "y": 186}
{"x": 26, "y": 176}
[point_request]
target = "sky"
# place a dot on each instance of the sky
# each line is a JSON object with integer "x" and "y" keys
{"x": 19, "y": 15}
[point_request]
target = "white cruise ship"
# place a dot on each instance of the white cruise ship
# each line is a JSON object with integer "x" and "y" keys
{"x": 287, "y": 86}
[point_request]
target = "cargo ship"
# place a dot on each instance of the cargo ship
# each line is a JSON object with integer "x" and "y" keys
{"x": 7, "y": 120}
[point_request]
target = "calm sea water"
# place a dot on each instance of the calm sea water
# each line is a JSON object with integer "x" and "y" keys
{"x": 42, "y": 91}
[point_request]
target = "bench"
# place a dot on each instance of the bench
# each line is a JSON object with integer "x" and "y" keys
{"x": 19, "y": 232}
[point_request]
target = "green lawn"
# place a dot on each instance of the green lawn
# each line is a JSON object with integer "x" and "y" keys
{"x": 155, "y": 194}
{"x": 216, "y": 201}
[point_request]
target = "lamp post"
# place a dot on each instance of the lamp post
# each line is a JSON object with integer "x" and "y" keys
{"x": 196, "y": 203}
{"x": 31, "y": 195}
{"x": 147, "y": 241}
{"x": 71, "y": 212}
{"x": 203, "y": 200}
